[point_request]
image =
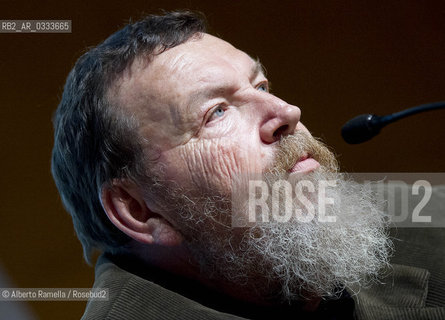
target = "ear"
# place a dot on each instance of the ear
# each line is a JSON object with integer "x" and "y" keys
{"x": 127, "y": 210}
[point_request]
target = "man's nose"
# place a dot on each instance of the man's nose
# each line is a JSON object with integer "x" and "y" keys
{"x": 281, "y": 120}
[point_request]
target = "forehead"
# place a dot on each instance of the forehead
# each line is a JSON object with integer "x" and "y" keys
{"x": 202, "y": 56}
{"x": 158, "y": 91}
{"x": 202, "y": 59}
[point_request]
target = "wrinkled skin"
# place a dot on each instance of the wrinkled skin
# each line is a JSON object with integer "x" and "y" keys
{"x": 207, "y": 117}
{"x": 205, "y": 110}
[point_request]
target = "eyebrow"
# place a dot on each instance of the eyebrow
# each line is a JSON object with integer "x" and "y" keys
{"x": 219, "y": 89}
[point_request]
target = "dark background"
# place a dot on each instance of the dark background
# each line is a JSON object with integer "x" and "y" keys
{"x": 334, "y": 59}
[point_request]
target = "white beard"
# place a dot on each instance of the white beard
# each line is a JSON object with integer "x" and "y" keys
{"x": 296, "y": 259}
{"x": 293, "y": 260}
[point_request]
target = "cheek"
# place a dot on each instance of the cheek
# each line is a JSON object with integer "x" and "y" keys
{"x": 210, "y": 165}
{"x": 213, "y": 163}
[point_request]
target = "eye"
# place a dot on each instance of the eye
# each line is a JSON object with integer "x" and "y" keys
{"x": 218, "y": 112}
{"x": 263, "y": 87}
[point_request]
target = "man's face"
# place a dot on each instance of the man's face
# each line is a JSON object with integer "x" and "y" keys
{"x": 208, "y": 118}
{"x": 206, "y": 111}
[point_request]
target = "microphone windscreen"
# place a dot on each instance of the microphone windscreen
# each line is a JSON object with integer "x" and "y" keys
{"x": 360, "y": 129}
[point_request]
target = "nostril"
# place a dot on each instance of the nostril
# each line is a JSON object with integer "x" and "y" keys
{"x": 280, "y": 131}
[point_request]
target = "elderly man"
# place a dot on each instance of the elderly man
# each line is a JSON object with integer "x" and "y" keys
{"x": 159, "y": 128}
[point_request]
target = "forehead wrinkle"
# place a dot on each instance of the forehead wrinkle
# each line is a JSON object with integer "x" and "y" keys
{"x": 219, "y": 89}
{"x": 210, "y": 85}
{"x": 177, "y": 64}
{"x": 179, "y": 67}
{"x": 212, "y": 90}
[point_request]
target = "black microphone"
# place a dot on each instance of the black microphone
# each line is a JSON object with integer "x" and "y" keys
{"x": 366, "y": 126}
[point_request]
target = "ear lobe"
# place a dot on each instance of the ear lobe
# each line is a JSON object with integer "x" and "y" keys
{"x": 127, "y": 210}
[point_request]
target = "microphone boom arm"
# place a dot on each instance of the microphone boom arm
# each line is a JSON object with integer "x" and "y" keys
{"x": 409, "y": 112}
{"x": 364, "y": 127}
